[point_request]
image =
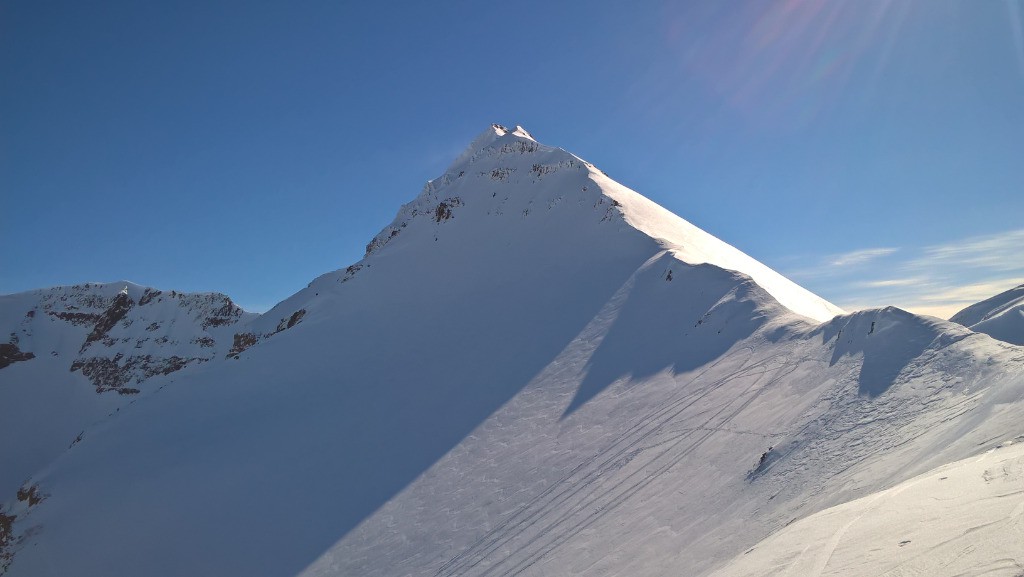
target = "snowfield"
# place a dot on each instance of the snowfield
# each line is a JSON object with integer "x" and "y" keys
{"x": 537, "y": 371}
{"x": 965, "y": 518}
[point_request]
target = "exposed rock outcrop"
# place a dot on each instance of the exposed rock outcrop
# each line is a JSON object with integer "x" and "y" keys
{"x": 114, "y": 314}
{"x": 10, "y": 353}
{"x": 117, "y": 334}
{"x": 243, "y": 341}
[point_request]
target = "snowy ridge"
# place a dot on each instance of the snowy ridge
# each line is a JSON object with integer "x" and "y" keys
{"x": 83, "y": 351}
{"x": 1001, "y": 316}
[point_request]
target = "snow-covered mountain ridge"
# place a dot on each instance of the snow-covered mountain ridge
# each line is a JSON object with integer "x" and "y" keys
{"x": 119, "y": 334}
{"x": 1000, "y": 316}
{"x": 530, "y": 373}
{"x": 81, "y": 352}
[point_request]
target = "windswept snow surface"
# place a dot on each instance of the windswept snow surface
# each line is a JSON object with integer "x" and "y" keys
{"x": 965, "y": 519}
{"x": 1001, "y": 317}
{"x": 534, "y": 371}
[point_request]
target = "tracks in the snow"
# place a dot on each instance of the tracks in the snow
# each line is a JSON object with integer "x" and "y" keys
{"x": 601, "y": 483}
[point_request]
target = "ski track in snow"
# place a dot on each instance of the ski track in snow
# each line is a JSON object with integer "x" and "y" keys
{"x": 602, "y": 501}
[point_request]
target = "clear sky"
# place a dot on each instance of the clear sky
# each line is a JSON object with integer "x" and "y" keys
{"x": 872, "y": 150}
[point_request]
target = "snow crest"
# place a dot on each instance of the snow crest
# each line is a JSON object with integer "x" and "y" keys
{"x": 505, "y": 176}
{"x": 1001, "y": 317}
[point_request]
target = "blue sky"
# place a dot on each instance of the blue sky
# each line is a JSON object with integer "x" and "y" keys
{"x": 873, "y": 151}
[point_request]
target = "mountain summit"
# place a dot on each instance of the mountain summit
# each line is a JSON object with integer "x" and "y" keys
{"x": 533, "y": 371}
{"x": 508, "y": 173}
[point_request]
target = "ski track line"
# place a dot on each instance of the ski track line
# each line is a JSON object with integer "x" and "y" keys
{"x": 791, "y": 566}
{"x": 588, "y": 501}
{"x": 693, "y": 397}
{"x": 1017, "y": 518}
{"x": 622, "y": 496}
{"x": 503, "y": 532}
{"x": 688, "y": 400}
{"x": 885, "y": 420}
{"x": 635, "y": 488}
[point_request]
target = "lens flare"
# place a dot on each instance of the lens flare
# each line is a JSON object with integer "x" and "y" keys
{"x": 791, "y": 59}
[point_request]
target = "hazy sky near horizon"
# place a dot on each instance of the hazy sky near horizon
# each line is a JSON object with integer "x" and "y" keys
{"x": 873, "y": 150}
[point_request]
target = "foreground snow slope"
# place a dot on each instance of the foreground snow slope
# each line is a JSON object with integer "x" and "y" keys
{"x": 525, "y": 375}
{"x": 962, "y": 519}
{"x": 78, "y": 353}
{"x": 661, "y": 474}
{"x": 1001, "y": 317}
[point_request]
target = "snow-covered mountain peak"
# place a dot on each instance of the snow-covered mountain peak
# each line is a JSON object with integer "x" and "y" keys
{"x": 507, "y": 185}
{"x": 521, "y": 132}
{"x": 485, "y": 141}
{"x": 499, "y": 130}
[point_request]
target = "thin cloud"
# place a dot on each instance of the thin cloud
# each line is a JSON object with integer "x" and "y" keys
{"x": 837, "y": 265}
{"x": 937, "y": 280}
{"x": 894, "y": 282}
{"x": 945, "y": 301}
{"x": 998, "y": 252}
{"x": 972, "y": 293}
{"x": 859, "y": 257}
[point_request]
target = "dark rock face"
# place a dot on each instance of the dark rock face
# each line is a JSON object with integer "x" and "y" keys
{"x": 7, "y": 539}
{"x": 382, "y": 239}
{"x": 227, "y": 314}
{"x": 443, "y": 211}
{"x": 10, "y": 353}
{"x": 350, "y": 272}
{"x": 242, "y": 342}
{"x": 113, "y": 374}
{"x": 245, "y": 340}
{"x": 75, "y": 318}
{"x": 30, "y": 497}
{"x": 291, "y": 321}
{"x": 117, "y": 311}
{"x": 206, "y": 342}
{"x": 149, "y": 296}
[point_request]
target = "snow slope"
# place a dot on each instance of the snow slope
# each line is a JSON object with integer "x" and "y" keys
{"x": 78, "y": 353}
{"x": 963, "y": 519}
{"x": 662, "y": 475}
{"x": 1001, "y": 316}
{"x": 533, "y": 371}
